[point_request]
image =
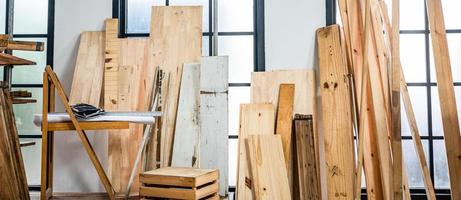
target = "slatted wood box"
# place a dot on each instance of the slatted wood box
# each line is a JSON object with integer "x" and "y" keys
{"x": 180, "y": 183}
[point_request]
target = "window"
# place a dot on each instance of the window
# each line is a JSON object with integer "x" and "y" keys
{"x": 32, "y": 21}
{"x": 240, "y": 36}
{"x": 418, "y": 65}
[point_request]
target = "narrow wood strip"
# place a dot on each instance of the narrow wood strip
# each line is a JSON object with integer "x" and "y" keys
{"x": 68, "y": 126}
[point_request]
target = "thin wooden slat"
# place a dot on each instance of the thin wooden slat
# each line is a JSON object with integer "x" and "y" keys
{"x": 306, "y": 176}
{"x": 88, "y": 126}
{"x": 111, "y": 57}
{"x": 446, "y": 95}
{"x": 89, "y": 70}
{"x": 175, "y": 39}
{"x": 6, "y": 59}
{"x": 268, "y": 169}
{"x": 337, "y": 118}
{"x": 186, "y": 138}
{"x": 214, "y": 117}
{"x": 179, "y": 176}
{"x": 255, "y": 119}
{"x": 25, "y": 46}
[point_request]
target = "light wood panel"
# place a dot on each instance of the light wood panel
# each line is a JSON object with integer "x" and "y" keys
{"x": 336, "y": 111}
{"x": 175, "y": 39}
{"x": 268, "y": 169}
{"x": 186, "y": 138}
{"x": 89, "y": 70}
{"x": 255, "y": 119}
{"x": 306, "y": 176}
{"x": 214, "y": 117}
{"x": 111, "y": 65}
{"x": 446, "y": 95}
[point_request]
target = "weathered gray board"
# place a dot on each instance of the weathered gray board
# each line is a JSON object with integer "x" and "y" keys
{"x": 213, "y": 117}
{"x": 186, "y": 138}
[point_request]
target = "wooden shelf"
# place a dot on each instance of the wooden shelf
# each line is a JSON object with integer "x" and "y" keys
{"x": 68, "y": 126}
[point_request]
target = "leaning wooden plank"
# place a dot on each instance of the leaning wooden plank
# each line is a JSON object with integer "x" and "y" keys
{"x": 186, "y": 137}
{"x": 446, "y": 95}
{"x": 265, "y": 154}
{"x": 416, "y": 138}
{"x": 336, "y": 111}
{"x": 306, "y": 177}
{"x": 111, "y": 65}
{"x": 284, "y": 125}
{"x": 255, "y": 119}
{"x": 214, "y": 117}
{"x": 89, "y": 69}
{"x": 176, "y": 38}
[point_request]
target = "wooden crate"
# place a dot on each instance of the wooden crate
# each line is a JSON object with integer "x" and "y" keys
{"x": 180, "y": 183}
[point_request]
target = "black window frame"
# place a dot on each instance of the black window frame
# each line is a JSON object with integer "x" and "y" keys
{"x": 416, "y": 193}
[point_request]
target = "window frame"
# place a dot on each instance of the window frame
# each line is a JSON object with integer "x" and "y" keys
{"x": 416, "y": 193}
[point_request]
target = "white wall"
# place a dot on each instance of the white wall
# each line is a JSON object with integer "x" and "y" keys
{"x": 73, "y": 170}
{"x": 290, "y": 32}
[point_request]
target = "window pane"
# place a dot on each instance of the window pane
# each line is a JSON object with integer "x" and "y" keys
{"x": 233, "y": 151}
{"x": 139, "y": 14}
{"x": 413, "y": 53}
{"x": 24, "y": 113}
{"x": 437, "y": 126}
{"x": 414, "y": 174}
{"x": 235, "y": 16}
{"x": 30, "y": 16}
{"x": 412, "y": 15}
{"x": 206, "y": 46}
{"x": 418, "y": 97}
{"x": 237, "y": 96}
{"x": 240, "y": 52}
{"x": 206, "y": 12}
{"x": 32, "y": 159}
{"x": 2, "y": 16}
{"x": 440, "y": 165}
{"x": 452, "y": 14}
{"x": 454, "y": 47}
{"x": 30, "y": 74}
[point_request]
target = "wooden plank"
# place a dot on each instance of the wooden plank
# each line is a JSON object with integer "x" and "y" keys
{"x": 25, "y": 46}
{"x": 255, "y": 119}
{"x": 186, "y": 138}
{"x": 416, "y": 137}
{"x": 306, "y": 176}
{"x": 214, "y": 117}
{"x": 268, "y": 169}
{"x": 68, "y": 126}
{"x": 89, "y": 70}
{"x": 111, "y": 65}
{"x": 6, "y": 59}
{"x": 86, "y": 144}
{"x": 175, "y": 39}
{"x": 179, "y": 176}
{"x": 446, "y": 95}
{"x": 337, "y": 118}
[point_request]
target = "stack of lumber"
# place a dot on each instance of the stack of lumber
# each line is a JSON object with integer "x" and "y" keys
{"x": 13, "y": 179}
{"x": 118, "y": 74}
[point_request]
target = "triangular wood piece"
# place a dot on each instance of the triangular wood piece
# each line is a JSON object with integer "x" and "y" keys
{"x": 6, "y": 59}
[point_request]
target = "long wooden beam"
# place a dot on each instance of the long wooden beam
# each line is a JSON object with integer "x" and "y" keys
{"x": 446, "y": 95}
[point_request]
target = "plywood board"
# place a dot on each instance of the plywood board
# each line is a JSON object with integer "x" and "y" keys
{"x": 89, "y": 70}
{"x": 175, "y": 39}
{"x": 306, "y": 177}
{"x": 186, "y": 138}
{"x": 447, "y": 99}
{"x": 214, "y": 117}
{"x": 268, "y": 169}
{"x": 255, "y": 119}
{"x": 337, "y": 117}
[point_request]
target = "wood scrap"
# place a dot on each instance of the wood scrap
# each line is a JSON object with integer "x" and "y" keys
{"x": 175, "y": 39}
{"x": 268, "y": 169}
{"x": 446, "y": 91}
{"x": 255, "y": 119}
{"x": 214, "y": 118}
{"x": 6, "y": 59}
{"x": 337, "y": 118}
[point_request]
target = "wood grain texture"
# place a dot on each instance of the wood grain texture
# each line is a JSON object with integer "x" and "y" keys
{"x": 175, "y": 39}
{"x": 186, "y": 138}
{"x": 6, "y": 59}
{"x": 255, "y": 119}
{"x": 89, "y": 69}
{"x": 337, "y": 118}
{"x": 214, "y": 117}
{"x": 268, "y": 169}
{"x": 446, "y": 95}
{"x": 306, "y": 176}
{"x": 111, "y": 64}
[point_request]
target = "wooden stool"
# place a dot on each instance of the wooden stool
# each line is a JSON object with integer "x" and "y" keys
{"x": 180, "y": 183}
